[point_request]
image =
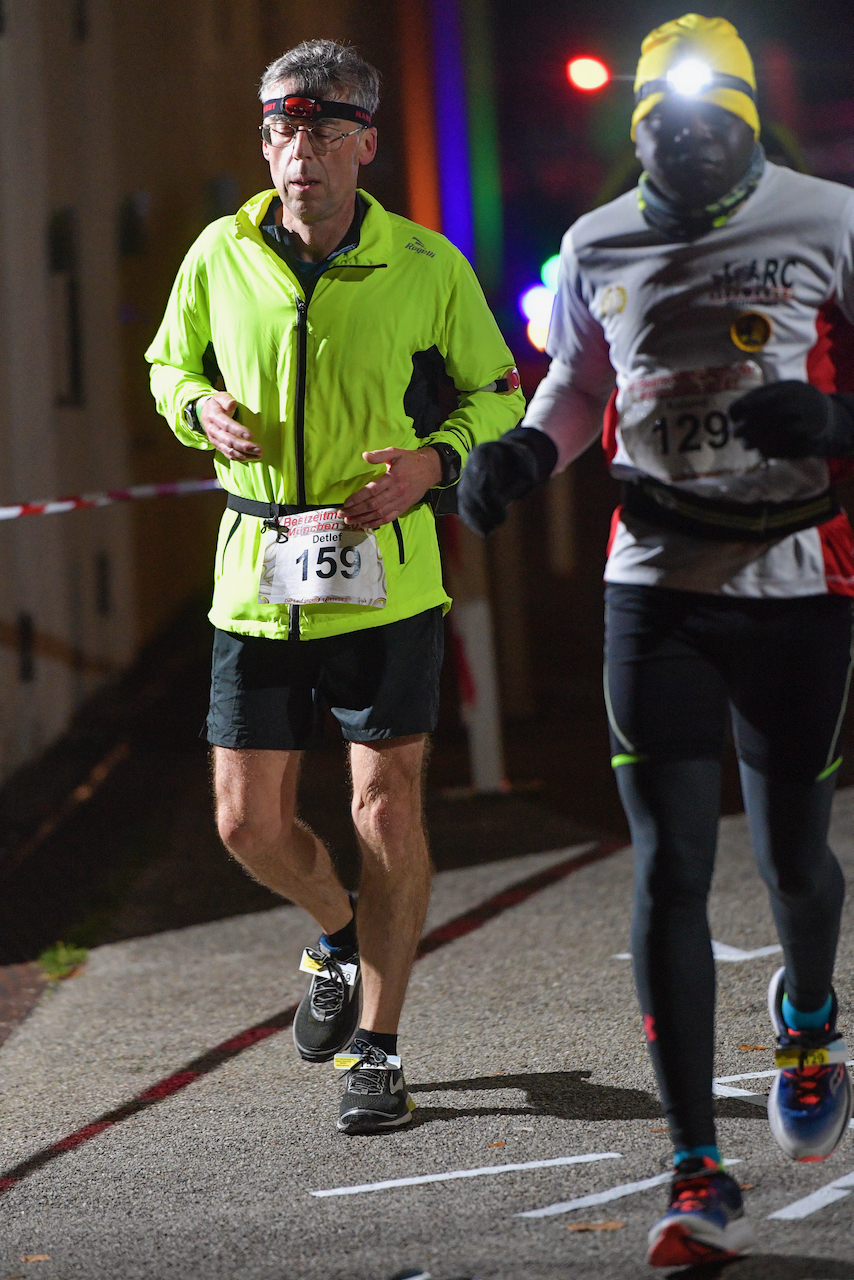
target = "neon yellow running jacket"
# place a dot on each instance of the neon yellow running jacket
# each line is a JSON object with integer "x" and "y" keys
{"x": 401, "y": 291}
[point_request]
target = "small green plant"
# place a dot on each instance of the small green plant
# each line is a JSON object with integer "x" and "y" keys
{"x": 60, "y": 961}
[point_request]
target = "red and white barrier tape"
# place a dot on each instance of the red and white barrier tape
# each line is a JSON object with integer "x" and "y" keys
{"x": 55, "y": 506}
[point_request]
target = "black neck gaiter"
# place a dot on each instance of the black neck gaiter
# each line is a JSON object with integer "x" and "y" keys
{"x": 678, "y": 223}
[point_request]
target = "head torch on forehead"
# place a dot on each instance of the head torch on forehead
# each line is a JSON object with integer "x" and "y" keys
{"x": 690, "y": 78}
{"x": 295, "y": 107}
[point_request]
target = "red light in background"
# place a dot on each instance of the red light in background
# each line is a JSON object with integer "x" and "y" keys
{"x": 588, "y": 74}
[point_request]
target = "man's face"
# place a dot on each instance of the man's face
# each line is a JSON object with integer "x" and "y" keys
{"x": 693, "y": 151}
{"x": 315, "y": 187}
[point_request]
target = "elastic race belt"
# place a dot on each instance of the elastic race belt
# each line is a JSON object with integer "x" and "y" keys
{"x": 269, "y": 510}
{"x": 721, "y": 521}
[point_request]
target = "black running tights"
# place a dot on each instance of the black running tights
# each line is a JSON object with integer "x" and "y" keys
{"x": 676, "y": 662}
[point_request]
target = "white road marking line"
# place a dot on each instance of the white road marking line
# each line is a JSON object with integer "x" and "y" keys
{"x": 603, "y": 1197}
{"x": 727, "y": 1091}
{"x": 723, "y": 951}
{"x": 746, "y": 1075}
{"x": 598, "y": 1197}
{"x": 836, "y": 1190}
{"x": 467, "y": 1173}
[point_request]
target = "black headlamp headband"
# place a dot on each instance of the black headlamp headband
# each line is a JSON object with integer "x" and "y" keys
{"x": 299, "y": 108}
{"x": 717, "y": 80}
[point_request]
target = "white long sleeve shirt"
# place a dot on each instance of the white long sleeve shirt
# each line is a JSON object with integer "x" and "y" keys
{"x": 659, "y": 337}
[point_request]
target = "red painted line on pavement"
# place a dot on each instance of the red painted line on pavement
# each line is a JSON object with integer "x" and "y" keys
{"x": 228, "y": 1049}
{"x": 512, "y": 897}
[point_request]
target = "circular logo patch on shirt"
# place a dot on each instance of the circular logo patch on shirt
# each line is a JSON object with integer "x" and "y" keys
{"x": 614, "y": 300}
{"x": 750, "y": 331}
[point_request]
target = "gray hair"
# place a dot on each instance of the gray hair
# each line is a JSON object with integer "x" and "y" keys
{"x": 319, "y": 68}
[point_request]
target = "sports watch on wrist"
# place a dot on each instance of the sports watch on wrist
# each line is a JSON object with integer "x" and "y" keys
{"x": 191, "y": 415}
{"x": 451, "y": 463}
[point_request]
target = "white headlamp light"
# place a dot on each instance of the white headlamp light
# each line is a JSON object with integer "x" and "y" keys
{"x": 690, "y": 77}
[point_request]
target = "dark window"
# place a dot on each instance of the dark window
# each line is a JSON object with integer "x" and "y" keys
{"x": 63, "y": 261}
{"x": 133, "y": 223}
{"x": 2, "y": 18}
{"x": 103, "y": 585}
{"x": 271, "y": 23}
{"x": 79, "y": 20}
{"x": 26, "y": 648}
{"x": 222, "y": 21}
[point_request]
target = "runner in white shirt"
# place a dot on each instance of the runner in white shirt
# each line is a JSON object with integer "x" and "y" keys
{"x": 708, "y": 315}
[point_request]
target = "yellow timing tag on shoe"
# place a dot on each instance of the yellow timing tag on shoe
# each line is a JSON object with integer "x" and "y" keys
{"x": 791, "y": 1057}
{"x": 346, "y": 1061}
{"x": 795, "y": 1058}
{"x": 308, "y": 964}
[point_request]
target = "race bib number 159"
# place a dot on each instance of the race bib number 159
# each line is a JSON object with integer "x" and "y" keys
{"x": 313, "y": 558}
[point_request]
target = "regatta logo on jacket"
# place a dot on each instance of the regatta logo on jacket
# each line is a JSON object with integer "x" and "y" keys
{"x": 769, "y": 280}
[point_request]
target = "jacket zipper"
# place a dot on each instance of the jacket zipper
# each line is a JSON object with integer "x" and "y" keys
{"x": 398, "y": 533}
{"x": 299, "y": 434}
{"x": 299, "y": 416}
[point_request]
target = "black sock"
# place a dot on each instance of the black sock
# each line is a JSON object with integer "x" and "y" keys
{"x": 343, "y": 939}
{"x": 380, "y": 1040}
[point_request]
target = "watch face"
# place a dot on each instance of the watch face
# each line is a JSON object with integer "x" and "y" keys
{"x": 451, "y": 462}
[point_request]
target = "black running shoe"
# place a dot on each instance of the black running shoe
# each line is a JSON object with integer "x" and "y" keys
{"x": 328, "y": 1015}
{"x": 375, "y": 1096}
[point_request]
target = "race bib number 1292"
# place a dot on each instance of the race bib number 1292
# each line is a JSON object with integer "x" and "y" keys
{"x": 677, "y": 426}
{"x": 313, "y": 558}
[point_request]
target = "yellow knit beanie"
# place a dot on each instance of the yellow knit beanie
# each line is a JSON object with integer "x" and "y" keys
{"x": 696, "y": 40}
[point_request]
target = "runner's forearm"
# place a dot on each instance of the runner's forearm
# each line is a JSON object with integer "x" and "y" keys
{"x": 571, "y": 417}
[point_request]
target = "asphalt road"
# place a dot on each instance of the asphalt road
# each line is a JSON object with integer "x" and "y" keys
{"x": 521, "y": 1045}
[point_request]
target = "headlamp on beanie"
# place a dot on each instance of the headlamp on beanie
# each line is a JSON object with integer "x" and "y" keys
{"x": 699, "y": 59}
{"x": 690, "y": 77}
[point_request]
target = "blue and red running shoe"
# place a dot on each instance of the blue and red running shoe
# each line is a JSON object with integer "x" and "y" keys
{"x": 810, "y": 1102}
{"x": 705, "y": 1221}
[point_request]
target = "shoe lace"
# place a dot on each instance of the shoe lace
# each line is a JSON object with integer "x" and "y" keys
{"x": 371, "y": 1073}
{"x": 330, "y": 987}
{"x": 806, "y": 1083}
{"x": 694, "y": 1195}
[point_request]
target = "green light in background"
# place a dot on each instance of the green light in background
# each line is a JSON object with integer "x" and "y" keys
{"x": 549, "y": 270}
{"x": 484, "y": 150}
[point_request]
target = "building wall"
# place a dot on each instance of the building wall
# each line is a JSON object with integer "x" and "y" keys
{"x": 125, "y": 127}
{"x": 66, "y": 608}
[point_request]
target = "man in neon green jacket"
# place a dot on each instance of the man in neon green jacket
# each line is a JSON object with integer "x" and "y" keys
{"x": 330, "y": 326}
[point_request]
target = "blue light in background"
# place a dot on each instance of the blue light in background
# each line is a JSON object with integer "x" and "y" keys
{"x": 452, "y": 126}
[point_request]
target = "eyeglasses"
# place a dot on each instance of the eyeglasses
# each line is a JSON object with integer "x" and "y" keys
{"x": 324, "y": 137}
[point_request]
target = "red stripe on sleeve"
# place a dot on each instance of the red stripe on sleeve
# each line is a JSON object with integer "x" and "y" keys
{"x": 610, "y": 421}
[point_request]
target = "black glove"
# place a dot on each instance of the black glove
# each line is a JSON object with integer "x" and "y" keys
{"x": 499, "y": 472}
{"x": 794, "y": 420}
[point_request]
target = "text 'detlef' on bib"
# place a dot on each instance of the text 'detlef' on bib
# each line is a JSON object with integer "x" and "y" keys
{"x": 676, "y": 426}
{"x": 313, "y": 558}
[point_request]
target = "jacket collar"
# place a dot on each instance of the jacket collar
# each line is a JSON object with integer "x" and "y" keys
{"x": 374, "y": 244}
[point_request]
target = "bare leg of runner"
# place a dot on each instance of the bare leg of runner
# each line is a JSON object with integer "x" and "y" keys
{"x": 395, "y": 884}
{"x": 256, "y": 802}
{"x": 255, "y": 810}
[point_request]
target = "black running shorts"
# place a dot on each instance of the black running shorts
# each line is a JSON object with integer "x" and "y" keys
{"x": 379, "y": 683}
